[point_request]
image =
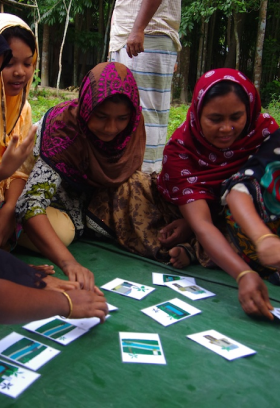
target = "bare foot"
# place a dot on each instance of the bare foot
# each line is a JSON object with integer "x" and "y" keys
{"x": 179, "y": 257}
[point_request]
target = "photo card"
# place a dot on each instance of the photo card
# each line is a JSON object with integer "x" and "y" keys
{"x": 14, "y": 380}
{"x": 185, "y": 288}
{"x": 128, "y": 288}
{"x": 221, "y": 344}
{"x": 163, "y": 278}
{"x": 171, "y": 311}
{"x": 141, "y": 348}
{"x": 25, "y": 351}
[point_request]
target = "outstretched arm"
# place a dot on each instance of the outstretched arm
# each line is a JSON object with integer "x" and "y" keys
{"x": 20, "y": 304}
{"x": 135, "y": 41}
{"x": 43, "y": 236}
{"x": 246, "y": 216}
{"x": 253, "y": 294}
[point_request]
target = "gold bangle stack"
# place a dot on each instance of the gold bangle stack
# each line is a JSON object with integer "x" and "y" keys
{"x": 70, "y": 304}
{"x": 243, "y": 273}
{"x": 260, "y": 239}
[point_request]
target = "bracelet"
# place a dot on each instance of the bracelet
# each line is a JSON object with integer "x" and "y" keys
{"x": 244, "y": 273}
{"x": 70, "y": 304}
{"x": 260, "y": 239}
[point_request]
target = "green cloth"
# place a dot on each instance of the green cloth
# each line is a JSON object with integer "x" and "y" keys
{"x": 89, "y": 371}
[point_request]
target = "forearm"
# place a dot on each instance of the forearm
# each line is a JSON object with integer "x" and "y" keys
{"x": 245, "y": 215}
{"x": 13, "y": 192}
{"x": 19, "y": 304}
{"x": 214, "y": 243}
{"x": 146, "y": 12}
{"x": 43, "y": 236}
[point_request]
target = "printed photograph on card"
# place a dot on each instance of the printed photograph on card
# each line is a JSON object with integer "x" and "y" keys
{"x": 14, "y": 380}
{"x": 25, "y": 351}
{"x": 141, "y": 348}
{"x": 171, "y": 311}
{"x": 63, "y": 331}
{"x": 127, "y": 288}
{"x": 185, "y": 288}
{"x": 163, "y": 278}
{"x": 221, "y": 344}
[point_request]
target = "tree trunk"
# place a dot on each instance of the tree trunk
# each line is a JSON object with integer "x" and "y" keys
{"x": 62, "y": 45}
{"x": 259, "y": 46}
{"x": 210, "y": 42}
{"x": 107, "y": 31}
{"x": 45, "y": 56}
{"x": 199, "y": 70}
{"x": 237, "y": 41}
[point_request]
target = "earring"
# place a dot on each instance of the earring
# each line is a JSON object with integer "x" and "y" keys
{"x": 232, "y": 128}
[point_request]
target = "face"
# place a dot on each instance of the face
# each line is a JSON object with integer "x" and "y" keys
{"x": 20, "y": 69}
{"x": 223, "y": 119}
{"x": 109, "y": 119}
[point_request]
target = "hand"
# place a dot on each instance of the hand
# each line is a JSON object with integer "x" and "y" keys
{"x": 48, "y": 269}
{"x": 268, "y": 252}
{"x": 59, "y": 285}
{"x": 135, "y": 43}
{"x": 253, "y": 296}
{"x": 15, "y": 155}
{"x": 77, "y": 272}
{"x": 177, "y": 232}
{"x": 88, "y": 304}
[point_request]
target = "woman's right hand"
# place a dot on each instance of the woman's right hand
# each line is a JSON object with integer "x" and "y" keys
{"x": 88, "y": 304}
{"x": 78, "y": 273}
{"x": 253, "y": 296}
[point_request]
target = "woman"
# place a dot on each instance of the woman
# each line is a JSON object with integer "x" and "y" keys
{"x": 97, "y": 140}
{"x": 15, "y": 117}
{"x": 224, "y": 127}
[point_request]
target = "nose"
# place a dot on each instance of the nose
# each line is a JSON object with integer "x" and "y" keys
{"x": 111, "y": 127}
{"x": 19, "y": 70}
{"x": 226, "y": 127}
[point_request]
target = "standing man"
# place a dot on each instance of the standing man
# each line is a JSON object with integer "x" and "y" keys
{"x": 144, "y": 37}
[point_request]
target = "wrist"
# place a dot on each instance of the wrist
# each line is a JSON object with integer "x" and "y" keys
{"x": 241, "y": 274}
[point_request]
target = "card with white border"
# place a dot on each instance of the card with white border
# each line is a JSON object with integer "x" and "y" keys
{"x": 61, "y": 330}
{"x": 276, "y": 312}
{"x": 141, "y": 348}
{"x": 25, "y": 351}
{"x": 171, "y": 311}
{"x": 221, "y": 344}
{"x": 14, "y": 380}
{"x": 112, "y": 308}
{"x": 185, "y": 288}
{"x": 163, "y": 278}
{"x": 128, "y": 288}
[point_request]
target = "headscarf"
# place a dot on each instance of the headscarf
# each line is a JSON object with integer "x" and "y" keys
{"x": 193, "y": 168}
{"x": 70, "y": 148}
{"x": 13, "y": 105}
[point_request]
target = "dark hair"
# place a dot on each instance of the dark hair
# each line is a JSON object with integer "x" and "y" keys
{"x": 22, "y": 33}
{"x": 121, "y": 98}
{"x": 223, "y": 88}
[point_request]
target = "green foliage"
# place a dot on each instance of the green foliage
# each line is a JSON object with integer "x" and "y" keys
{"x": 42, "y": 101}
{"x": 274, "y": 107}
{"x": 176, "y": 117}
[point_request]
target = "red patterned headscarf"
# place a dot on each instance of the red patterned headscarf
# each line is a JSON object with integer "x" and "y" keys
{"x": 69, "y": 147}
{"x": 194, "y": 169}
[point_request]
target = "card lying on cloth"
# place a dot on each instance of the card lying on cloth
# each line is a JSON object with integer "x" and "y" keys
{"x": 141, "y": 348}
{"x": 171, "y": 311}
{"x": 222, "y": 345}
{"x": 163, "y": 278}
{"x": 14, "y": 380}
{"x": 25, "y": 351}
{"x": 185, "y": 288}
{"x": 127, "y": 288}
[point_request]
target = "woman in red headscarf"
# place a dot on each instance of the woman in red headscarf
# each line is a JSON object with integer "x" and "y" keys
{"x": 224, "y": 127}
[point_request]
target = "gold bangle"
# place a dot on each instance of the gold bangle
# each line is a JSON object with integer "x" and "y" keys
{"x": 260, "y": 239}
{"x": 70, "y": 304}
{"x": 244, "y": 273}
